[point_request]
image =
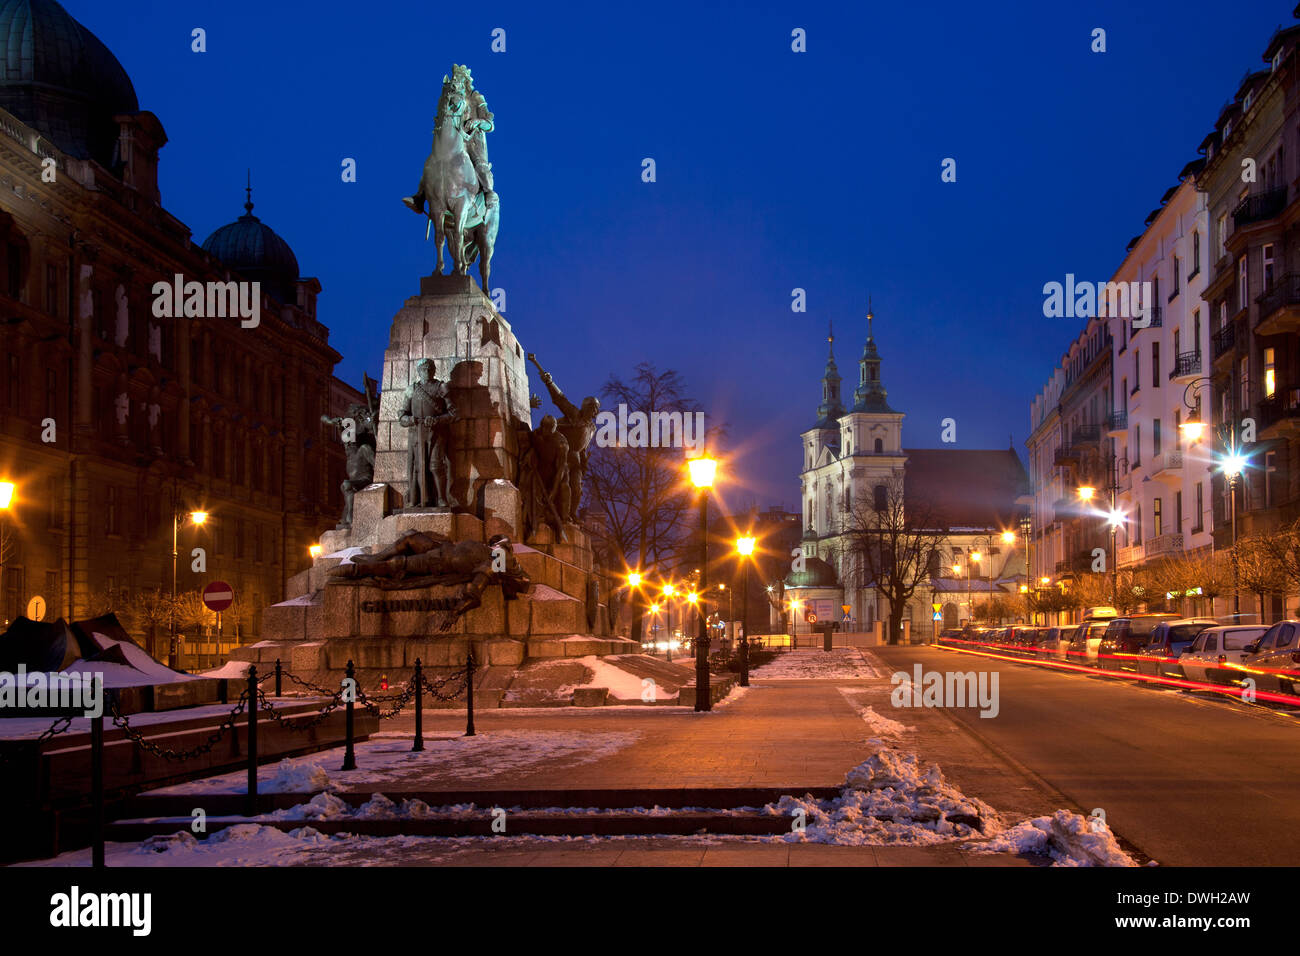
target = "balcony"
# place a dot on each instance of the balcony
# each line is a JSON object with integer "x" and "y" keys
{"x": 1223, "y": 341}
{"x": 1085, "y": 435}
{"x": 1279, "y": 307}
{"x": 1168, "y": 467}
{"x": 1154, "y": 319}
{"x": 1279, "y": 414}
{"x": 1187, "y": 366}
{"x": 1117, "y": 424}
{"x": 1259, "y": 207}
{"x": 1163, "y": 546}
{"x": 1066, "y": 455}
{"x": 1127, "y": 556}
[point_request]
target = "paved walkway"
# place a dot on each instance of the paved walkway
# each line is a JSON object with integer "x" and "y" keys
{"x": 792, "y": 734}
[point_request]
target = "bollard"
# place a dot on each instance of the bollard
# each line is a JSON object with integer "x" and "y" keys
{"x": 469, "y": 691}
{"x": 349, "y": 757}
{"x": 251, "y": 808}
{"x": 419, "y": 707}
{"x": 97, "y": 791}
{"x": 277, "y": 677}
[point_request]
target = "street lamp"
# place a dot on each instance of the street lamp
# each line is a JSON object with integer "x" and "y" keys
{"x": 669, "y": 591}
{"x": 1114, "y": 519}
{"x": 315, "y": 551}
{"x": 703, "y": 470}
{"x": 744, "y": 548}
{"x": 6, "y": 500}
{"x": 195, "y": 518}
{"x": 1231, "y": 465}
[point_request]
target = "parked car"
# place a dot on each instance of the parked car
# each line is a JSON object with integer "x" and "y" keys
{"x": 1023, "y": 638}
{"x": 1168, "y": 640}
{"x": 1274, "y": 661}
{"x": 1084, "y": 642}
{"x": 1123, "y": 638}
{"x": 1048, "y": 643}
{"x": 1206, "y": 660}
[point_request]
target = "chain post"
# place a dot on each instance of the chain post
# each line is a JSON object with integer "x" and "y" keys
{"x": 349, "y": 756}
{"x": 97, "y": 789}
{"x": 419, "y": 707}
{"x": 251, "y": 801}
{"x": 469, "y": 691}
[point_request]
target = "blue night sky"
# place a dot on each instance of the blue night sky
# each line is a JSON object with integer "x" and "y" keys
{"x": 776, "y": 170}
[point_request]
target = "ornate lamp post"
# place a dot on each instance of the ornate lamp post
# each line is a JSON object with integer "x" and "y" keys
{"x": 669, "y": 591}
{"x": 196, "y": 518}
{"x": 744, "y": 548}
{"x": 6, "y": 501}
{"x": 703, "y": 470}
{"x": 1231, "y": 465}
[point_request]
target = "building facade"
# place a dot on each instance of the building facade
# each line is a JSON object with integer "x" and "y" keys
{"x": 112, "y": 419}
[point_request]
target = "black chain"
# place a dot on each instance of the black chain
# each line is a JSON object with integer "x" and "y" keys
{"x": 461, "y": 676}
{"x": 310, "y": 686}
{"x": 52, "y": 731}
{"x": 169, "y": 754}
{"x": 402, "y": 700}
{"x": 299, "y": 724}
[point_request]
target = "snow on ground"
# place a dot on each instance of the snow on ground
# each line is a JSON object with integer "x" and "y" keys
{"x": 889, "y": 799}
{"x": 622, "y": 685}
{"x": 1068, "y": 838}
{"x": 390, "y": 760}
{"x": 842, "y": 663}
{"x": 879, "y": 723}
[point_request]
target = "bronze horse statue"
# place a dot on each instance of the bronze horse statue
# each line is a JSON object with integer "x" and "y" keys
{"x": 459, "y": 208}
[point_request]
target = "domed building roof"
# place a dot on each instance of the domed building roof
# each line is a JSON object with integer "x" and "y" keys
{"x": 253, "y": 249}
{"x": 816, "y": 573}
{"x": 57, "y": 77}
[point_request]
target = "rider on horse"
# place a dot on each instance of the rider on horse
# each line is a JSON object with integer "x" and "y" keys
{"x": 476, "y": 122}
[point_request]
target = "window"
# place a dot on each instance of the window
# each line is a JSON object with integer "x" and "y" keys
{"x": 1137, "y": 369}
{"x": 1243, "y": 380}
{"x": 1196, "y": 330}
{"x": 1243, "y": 284}
{"x": 1155, "y": 364}
{"x": 112, "y": 509}
{"x": 1268, "y": 266}
{"x": 1196, "y": 254}
{"x": 54, "y": 501}
{"x": 1155, "y": 437}
{"x": 1270, "y": 374}
{"x": 1200, "y": 509}
{"x": 1178, "y": 430}
{"x": 1270, "y": 466}
{"x": 15, "y": 264}
{"x": 1221, "y": 235}
{"x": 1137, "y": 445}
{"x": 881, "y": 498}
{"x": 879, "y": 446}
{"x": 52, "y": 289}
{"x": 1157, "y": 517}
{"x": 1178, "y": 512}
{"x": 1137, "y": 525}
{"x": 1177, "y": 279}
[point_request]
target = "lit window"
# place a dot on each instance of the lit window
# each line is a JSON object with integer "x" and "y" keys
{"x": 1270, "y": 374}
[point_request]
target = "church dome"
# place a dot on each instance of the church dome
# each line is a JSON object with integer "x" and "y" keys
{"x": 816, "y": 573}
{"x": 57, "y": 77}
{"x": 256, "y": 251}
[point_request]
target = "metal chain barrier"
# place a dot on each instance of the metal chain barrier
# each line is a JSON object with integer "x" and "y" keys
{"x": 52, "y": 731}
{"x": 402, "y": 700}
{"x": 460, "y": 677}
{"x": 169, "y": 754}
{"x": 299, "y": 724}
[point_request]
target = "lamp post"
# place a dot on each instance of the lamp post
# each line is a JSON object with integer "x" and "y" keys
{"x": 196, "y": 518}
{"x": 744, "y": 548}
{"x": 669, "y": 591}
{"x": 1231, "y": 465}
{"x": 975, "y": 558}
{"x": 703, "y": 470}
{"x": 970, "y": 616}
{"x": 6, "y": 501}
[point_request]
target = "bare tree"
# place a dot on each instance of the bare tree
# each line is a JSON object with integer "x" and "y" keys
{"x": 895, "y": 547}
{"x": 1259, "y": 570}
{"x": 639, "y": 495}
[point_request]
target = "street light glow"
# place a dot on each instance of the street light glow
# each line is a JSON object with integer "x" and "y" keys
{"x": 634, "y": 578}
{"x": 315, "y": 551}
{"x": 1233, "y": 465}
{"x": 702, "y": 471}
{"x": 670, "y": 590}
{"x": 6, "y": 494}
{"x": 975, "y": 555}
{"x": 745, "y": 546}
{"x": 1086, "y": 492}
{"x": 1008, "y": 537}
{"x": 1115, "y": 518}
{"x": 198, "y": 517}
{"x": 692, "y": 597}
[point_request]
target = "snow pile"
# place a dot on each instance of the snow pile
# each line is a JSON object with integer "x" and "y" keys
{"x": 291, "y": 777}
{"x": 842, "y": 663}
{"x": 879, "y": 723}
{"x": 889, "y": 799}
{"x": 323, "y": 806}
{"x": 1068, "y": 838}
{"x": 245, "y": 844}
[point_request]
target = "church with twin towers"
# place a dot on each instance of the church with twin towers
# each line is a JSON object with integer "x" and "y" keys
{"x": 855, "y": 464}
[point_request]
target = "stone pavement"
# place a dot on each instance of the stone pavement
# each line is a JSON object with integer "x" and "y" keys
{"x": 788, "y": 734}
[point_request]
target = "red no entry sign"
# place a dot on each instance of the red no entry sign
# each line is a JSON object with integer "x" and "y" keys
{"x": 218, "y": 596}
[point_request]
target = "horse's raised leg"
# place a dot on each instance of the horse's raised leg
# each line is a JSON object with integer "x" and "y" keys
{"x": 438, "y": 237}
{"x": 484, "y": 257}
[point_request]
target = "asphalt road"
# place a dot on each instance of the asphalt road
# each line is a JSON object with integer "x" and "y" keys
{"x": 1185, "y": 779}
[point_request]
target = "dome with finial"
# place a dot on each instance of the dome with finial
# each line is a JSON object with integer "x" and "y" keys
{"x": 831, "y": 408}
{"x": 254, "y": 250}
{"x": 57, "y": 77}
{"x": 870, "y": 395}
{"x": 816, "y": 573}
